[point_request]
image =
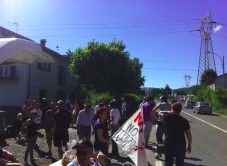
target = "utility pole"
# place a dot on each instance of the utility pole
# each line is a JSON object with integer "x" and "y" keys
{"x": 14, "y": 23}
{"x": 187, "y": 79}
{"x": 206, "y": 58}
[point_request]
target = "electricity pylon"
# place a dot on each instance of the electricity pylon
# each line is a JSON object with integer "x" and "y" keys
{"x": 187, "y": 79}
{"x": 206, "y": 58}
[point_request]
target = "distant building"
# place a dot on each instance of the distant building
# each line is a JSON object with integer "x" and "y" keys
{"x": 146, "y": 90}
{"x": 221, "y": 81}
{"x": 21, "y": 81}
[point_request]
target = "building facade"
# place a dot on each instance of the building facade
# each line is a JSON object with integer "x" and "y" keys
{"x": 37, "y": 80}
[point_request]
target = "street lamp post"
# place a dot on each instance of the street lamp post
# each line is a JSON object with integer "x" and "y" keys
{"x": 223, "y": 67}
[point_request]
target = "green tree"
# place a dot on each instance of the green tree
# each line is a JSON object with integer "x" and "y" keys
{"x": 167, "y": 91}
{"x": 107, "y": 67}
{"x": 208, "y": 77}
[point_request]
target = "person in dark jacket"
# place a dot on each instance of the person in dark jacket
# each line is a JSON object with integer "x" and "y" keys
{"x": 177, "y": 127}
{"x": 62, "y": 121}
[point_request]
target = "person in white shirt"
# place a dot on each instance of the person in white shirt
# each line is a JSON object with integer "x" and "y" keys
{"x": 162, "y": 107}
{"x": 114, "y": 121}
{"x": 123, "y": 107}
{"x": 36, "y": 109}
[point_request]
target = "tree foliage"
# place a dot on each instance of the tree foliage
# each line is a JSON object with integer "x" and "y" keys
{"x": 208, "y": 77}
{"x": 107, "y": 67}
{"x": 157, "y": 92}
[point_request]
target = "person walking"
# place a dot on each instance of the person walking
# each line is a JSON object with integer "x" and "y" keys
{"x": 85, "y": 122}
{"x": 37, "y": 109}
{"x": 147, "y": 110}
{"x": 160, "y": 130}
{"x": 102, "y": 140}
{"x": 31, "y": 136}
{"x": 123, "y": 107}
{"x": 162, "y": 106}
{"x": 49, "y": 127}
{"x": 177, "y": 127}
{"x": 115, "y": 116}
{"x": 62, "y": 121}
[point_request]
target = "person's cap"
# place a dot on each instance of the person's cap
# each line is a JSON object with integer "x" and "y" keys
{"x": 60, "y": 102}
{"x": 19, "y": 115}
{"x": 83, "y": 143}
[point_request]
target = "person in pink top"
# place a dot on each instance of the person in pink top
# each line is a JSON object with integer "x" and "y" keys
{"x": 147, "y": 110}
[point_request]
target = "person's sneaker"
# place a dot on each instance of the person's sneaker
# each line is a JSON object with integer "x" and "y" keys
{"x": 33, "y": 159}
{"x": 158, "y": 155}
{"x": 26, "y": 163}
{"x": 49, "y": 155}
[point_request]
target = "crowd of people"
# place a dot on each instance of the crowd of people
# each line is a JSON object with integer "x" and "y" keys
{"x": 101, "y": 121}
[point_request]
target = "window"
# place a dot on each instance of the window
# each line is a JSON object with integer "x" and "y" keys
{"x": 1, "y": 72}
{"x": 8, "y": 72}
{"x": 61, "y": 75}
{"x": 44, "y": 67}
{"x": 12, "y": 72}
{"x": 42, "y": 94}
{"x": 60, "y": 95}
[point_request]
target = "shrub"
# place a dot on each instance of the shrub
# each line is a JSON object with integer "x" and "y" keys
{"x": 93, "y": 97}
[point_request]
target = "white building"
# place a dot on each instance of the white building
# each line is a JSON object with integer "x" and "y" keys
{"x": 21, "y": 81}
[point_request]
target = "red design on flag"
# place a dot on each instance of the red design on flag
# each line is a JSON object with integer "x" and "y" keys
{"x": 136, "y": 148}
{"x": 139, "y": 123}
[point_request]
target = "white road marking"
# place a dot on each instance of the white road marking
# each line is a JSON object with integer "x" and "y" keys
{"x": 158, "y": 163}
{"x": 206, "y": 122}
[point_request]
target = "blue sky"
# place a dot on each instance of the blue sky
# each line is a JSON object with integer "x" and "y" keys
{"x": 158, "y": 32}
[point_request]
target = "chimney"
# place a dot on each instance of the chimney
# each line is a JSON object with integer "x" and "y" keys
{"x": 43, "y": 43}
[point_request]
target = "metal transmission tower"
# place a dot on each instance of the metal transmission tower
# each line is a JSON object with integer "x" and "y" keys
{"x": 206, "y": 58}
{"x": 187, "y": 79}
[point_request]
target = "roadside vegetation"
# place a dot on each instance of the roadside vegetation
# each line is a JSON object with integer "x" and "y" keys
{"x": 216, "y": 98}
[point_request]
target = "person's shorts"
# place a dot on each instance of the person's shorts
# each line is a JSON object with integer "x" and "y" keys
{"x": 61, "y": 137}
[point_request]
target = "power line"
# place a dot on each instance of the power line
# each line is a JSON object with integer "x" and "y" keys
{"x": 107, "y": 26}
{"x": 107, "y": 35}
{"x": 179, "y": 69}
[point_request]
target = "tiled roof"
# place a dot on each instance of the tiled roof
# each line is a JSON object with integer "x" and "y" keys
{"x": 55, "y": 54}
{"x": 8, "y": 34}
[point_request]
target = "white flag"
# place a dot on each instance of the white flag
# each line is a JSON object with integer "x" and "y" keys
{"x": 130, "y": 138}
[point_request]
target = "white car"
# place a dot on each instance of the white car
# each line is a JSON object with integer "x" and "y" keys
{"x": 202, "y": 108}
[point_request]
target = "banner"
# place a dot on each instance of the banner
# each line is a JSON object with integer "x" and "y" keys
{"x": 130, "y": 138}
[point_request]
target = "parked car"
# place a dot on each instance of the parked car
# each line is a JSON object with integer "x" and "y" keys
{"x": 189, "y": 104}
{"x": 202, "y": 108}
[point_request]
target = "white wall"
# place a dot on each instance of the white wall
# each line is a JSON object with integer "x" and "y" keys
{"x": 13, "y": 92}
{"x": 49, "y": 81}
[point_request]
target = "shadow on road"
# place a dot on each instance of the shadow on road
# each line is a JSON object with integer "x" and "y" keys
{"x": 151, "y": 146}
{"x": 193, "y": 158}
{"x": 189, "y": 164}
{"x": 213, "y": 114}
